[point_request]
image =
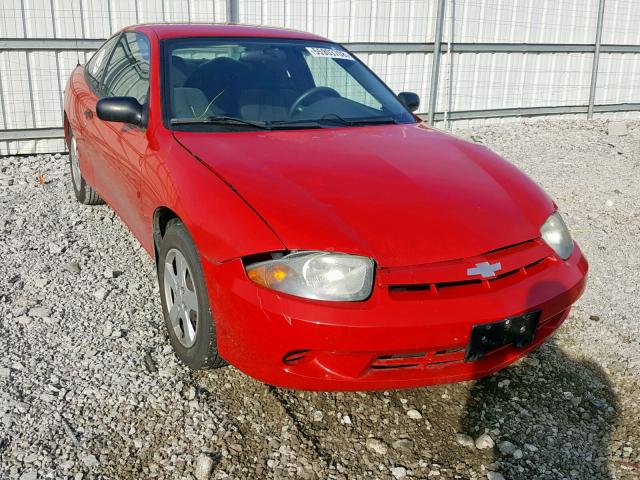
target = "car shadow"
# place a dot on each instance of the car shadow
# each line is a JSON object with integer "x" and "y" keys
{"x": 550, "y": 415}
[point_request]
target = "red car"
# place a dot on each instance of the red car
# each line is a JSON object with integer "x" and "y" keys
{"x": 307, "y": 227}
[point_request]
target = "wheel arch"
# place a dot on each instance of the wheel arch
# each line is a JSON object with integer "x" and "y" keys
{"x": 67, "y": 130}
{"x": 161, "y": 218}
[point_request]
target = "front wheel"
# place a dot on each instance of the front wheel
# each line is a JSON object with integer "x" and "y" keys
{"x": 185, "y": 301}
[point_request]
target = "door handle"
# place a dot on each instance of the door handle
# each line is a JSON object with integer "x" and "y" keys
{"x": 88, "y": 114}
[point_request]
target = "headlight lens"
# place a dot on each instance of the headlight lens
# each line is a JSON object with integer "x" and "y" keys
{"x": 318, "y": 275}
{"x": 555, "y": 232}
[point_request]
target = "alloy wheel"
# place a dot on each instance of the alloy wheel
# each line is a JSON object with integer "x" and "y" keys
{"x": 181, "y": 297}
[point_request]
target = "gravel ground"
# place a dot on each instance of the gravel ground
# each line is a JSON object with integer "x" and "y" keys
{"x": 89, "y": 387}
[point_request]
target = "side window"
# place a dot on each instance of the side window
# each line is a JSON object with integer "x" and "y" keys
{"x": 127, "y": 74}
{"x": 327, "y": 72}
{"x": 95, "y": 66}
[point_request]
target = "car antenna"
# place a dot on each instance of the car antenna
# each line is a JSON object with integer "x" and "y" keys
{"x": 75, "y": 33}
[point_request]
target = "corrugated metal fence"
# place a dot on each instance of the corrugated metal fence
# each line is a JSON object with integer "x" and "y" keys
{"x": 498, "y": 58}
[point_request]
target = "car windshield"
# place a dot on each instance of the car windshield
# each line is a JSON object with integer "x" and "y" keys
{"x": 238, "y": 84}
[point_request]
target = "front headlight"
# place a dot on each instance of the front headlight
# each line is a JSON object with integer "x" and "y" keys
{"x": 318, "y": 275}
{"x": 556, "y": 234}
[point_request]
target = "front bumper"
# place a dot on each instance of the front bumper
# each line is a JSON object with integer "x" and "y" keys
{"x": 389, "y": 341}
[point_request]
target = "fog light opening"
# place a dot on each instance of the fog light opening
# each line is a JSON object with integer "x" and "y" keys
{"x": 295, "y": 356}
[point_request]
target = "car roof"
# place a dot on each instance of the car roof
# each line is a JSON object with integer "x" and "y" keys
{"x": 177, "y": 30}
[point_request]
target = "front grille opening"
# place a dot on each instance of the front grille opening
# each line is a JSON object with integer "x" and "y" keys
{"x": 449, "y": 351}
{"x": 390, "y": 367}
{"x": 507, "y": 274}
{"x": 402, "y": 355}
{"x": 459, "y": 283}
{"x": 420, "y": 287}
{"x": 295, "y": 356}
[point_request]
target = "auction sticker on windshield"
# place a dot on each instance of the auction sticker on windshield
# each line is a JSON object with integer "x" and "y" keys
{"x": 329, "y": 53}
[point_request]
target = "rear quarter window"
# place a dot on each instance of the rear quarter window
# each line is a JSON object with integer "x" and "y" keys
{"x": 95, "y": 66}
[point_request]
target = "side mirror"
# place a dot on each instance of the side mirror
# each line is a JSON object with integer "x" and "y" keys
{"x": 410, "y": 100}
{"x": 120, "y": 109}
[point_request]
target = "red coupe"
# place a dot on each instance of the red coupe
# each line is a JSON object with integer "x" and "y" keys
{"x": 307, "y": 227}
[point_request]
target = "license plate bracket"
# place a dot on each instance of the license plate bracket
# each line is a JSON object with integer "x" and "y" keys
{"x": 518, "y": 331}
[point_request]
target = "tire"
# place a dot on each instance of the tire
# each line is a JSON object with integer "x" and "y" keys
{"x": 183, "y": 290}
{"x": 85, "y": 194}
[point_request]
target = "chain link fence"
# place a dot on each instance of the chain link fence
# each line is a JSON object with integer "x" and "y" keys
{"x": 498, "y": 59}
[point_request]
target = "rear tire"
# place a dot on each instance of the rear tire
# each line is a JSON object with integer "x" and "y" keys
{"x": 84, "y": 193}
{"x": 185, "y": 300}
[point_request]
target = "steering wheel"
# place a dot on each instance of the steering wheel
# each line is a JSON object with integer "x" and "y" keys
{"x": 296, "y": 107}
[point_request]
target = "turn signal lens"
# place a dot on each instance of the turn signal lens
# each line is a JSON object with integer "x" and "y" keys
{"x": 269, "y": 275}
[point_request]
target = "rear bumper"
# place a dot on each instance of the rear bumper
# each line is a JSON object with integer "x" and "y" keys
{"x": 385, "y": 342}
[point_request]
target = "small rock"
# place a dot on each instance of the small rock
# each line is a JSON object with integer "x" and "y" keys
{"x": 204, "y": 467}
{"x": 504, "y": 383}
{"x": 595, "y": 318}
{"x": 465, "y": 440}
{"x": 403, "y": 444}
{"x": 517, "y": 454}
{"x": 317, "y": 416}
{"x": 414, "y": 414}
{"x": 30, "y": 458}
{"x": 609, "y": 203}
{"x": 376, "y": 446}
{"x": 494, "y": 476}
{"x": 506, "y": 447}
{"x": 190, "y": 393}
{"x": 531, "y": 448}
{"x": 599, "y": 404}
{"x": 55, "y": 249}
{"x": 30, "y": 475}
{"x": 617, "y": 129}
{"x": 89, "y": 460}
{"x": 73, "y": 267}
{"x": 399, "y": 472}
{"x": 5, "y": 372}
{"x": 40, "y": 312}
{"x": 70, "y": 433}
{"x": 346, "y": 420}
{"x": 484, "y": 441}
{"x": 149, "y": 364}
{"x": 100, "y": 294}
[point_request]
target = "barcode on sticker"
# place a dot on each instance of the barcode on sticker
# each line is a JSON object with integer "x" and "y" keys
{"x": 329, "y": 53}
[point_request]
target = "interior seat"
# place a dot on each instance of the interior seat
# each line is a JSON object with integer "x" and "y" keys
{"x": 219, "y": 79}
{"x": 268, "y": 92}
{"x": 192, "y": 103}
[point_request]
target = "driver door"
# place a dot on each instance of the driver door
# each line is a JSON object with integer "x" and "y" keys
{"x": 124, "y": 146}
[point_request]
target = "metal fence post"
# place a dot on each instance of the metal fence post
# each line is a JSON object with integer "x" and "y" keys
{"x": 435, "y": 64}
{"x": 596, "y": 60}
{"x": 233, "y": 11}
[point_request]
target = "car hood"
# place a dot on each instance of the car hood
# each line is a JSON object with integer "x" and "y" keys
{"x": 401, "y": 194}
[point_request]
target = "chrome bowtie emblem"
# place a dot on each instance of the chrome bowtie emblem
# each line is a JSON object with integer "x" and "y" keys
{"x": 484, "y": 269}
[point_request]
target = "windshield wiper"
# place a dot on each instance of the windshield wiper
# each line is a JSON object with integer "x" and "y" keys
{"x": 377, "y": 120}
{"x": 332, "y": 118}
{"x": 219, "y": 120}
